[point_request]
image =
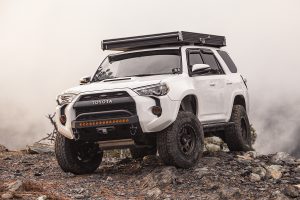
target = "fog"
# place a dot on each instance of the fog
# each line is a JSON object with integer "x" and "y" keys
{"x": 46, "y": 46}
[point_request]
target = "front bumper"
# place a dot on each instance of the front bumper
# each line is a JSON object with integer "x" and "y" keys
{"x": 144, "y": 116}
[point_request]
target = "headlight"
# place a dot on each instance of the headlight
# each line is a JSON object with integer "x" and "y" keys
{"x": 65, "y": 98}
{"x": 156, "y": 90}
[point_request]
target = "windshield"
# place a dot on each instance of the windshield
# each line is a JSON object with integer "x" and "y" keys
{"x": 144, "y": 63}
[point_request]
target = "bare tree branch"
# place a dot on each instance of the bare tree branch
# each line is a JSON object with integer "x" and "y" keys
{"x": 51, "y": 136}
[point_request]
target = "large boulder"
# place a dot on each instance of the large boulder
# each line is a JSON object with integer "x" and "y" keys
{"x": 3, "y": 148}
{"x": 7, "y": 195}
{"x": 214, "y": 140}
{"x": 212, "y": 148}
{"x": 248, "y": 156}
{"x": 292, "y": 191}
{"x": 274, "y": 171}
{"x": 213, "y": 144}
{"x": 262, "y": 172}
{"x": 230, "y": 193}
{"x": 153, "y": 193}
{"x": 282, "y": 157}
{"x": 160, "y": 177}
{"x": 254, "y": 177}
{"x": 15, "y": 186}
{"x": 201, "y": 172}
{"x": 39, "y": 148}
{"x": 12, "y": 187}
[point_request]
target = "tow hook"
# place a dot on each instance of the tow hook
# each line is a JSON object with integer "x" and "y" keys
{"x": 133, "y": 130}
{"x": 76, "y": 135}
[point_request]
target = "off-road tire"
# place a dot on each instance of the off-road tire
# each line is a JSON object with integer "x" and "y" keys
{"x": 169, "y": 141}
{"x": 68, "y": 157}
{"x": 238, "y": 137}
{"x": 140, "y": 152}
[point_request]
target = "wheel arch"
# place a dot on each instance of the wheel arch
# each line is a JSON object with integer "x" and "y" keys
{"x": 189, "y": 103}
{"x": 240, "y": 100}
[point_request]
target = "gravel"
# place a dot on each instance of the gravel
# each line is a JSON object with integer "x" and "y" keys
{"x": 218, "y": 175}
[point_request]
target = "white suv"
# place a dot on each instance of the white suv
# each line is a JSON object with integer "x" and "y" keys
{"x": 163, "y": 92}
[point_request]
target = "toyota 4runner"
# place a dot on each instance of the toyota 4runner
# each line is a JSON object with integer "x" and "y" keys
{"x": 159, "y": 93}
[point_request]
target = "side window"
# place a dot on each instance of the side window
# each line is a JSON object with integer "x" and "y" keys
{"x": 229, "y": 62}
{"x": 195, "y": 58}
{"x": 210, "y": 59}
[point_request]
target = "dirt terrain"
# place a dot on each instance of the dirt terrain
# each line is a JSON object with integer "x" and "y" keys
{"x": 219, "y": 175}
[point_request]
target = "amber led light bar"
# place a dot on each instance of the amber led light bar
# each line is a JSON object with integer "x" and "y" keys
{"x": 103, "y": 122}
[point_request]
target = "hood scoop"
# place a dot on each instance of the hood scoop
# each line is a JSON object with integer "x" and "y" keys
{"x": 116, "y": 79}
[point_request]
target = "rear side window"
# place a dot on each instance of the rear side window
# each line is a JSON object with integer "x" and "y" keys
{"x": 229, "y": 62}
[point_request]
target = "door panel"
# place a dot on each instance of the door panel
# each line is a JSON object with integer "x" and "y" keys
{"x": 210, "y": 93}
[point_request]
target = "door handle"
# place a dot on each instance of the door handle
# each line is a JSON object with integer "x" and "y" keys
{"x": 212, "y": 84}
{"x": 229, "y": 83}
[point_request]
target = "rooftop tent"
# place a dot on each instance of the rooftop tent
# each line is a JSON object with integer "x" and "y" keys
{"x": 163, "y": 39}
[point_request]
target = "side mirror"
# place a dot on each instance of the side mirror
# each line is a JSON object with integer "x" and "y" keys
{"x": 84, "y": 80}
{"x": 196, "y": 68}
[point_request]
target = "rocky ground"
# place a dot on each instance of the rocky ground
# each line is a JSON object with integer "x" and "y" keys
{"x": 220, "y": 175}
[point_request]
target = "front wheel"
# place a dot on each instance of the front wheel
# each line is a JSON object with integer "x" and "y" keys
{"x": 77, "y": 157}
{"x": 181, "y": 144}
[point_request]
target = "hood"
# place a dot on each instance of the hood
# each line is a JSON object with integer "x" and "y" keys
{"x": 128, "y": 82}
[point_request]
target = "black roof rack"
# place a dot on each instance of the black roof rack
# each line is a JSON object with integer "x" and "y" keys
{"x": 163, "y": 39}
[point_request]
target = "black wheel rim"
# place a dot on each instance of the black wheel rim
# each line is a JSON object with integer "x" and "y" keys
{"x": 86, "y": 152}
{"x": 187, "y": 139}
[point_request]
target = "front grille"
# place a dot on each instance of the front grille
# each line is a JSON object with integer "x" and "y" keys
{"x": 105, "y": 108}
{"x": 125, "y": 106}
{"x": 101, "y": 96}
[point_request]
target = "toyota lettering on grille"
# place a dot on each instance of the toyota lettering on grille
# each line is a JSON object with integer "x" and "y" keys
{"x": 104, "y": 101}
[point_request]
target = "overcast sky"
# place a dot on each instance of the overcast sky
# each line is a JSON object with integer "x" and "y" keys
{"x": 46, "y": 46}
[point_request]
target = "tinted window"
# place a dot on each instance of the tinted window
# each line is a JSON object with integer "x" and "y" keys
{"x": 211, "y": 61}
{"x": 229, "y": 62}
{"x": 145, "y": 63}
{"x": 195, "y": 58}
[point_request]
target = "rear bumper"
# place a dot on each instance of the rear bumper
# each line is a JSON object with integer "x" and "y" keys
{"x": 144, "y": 118}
